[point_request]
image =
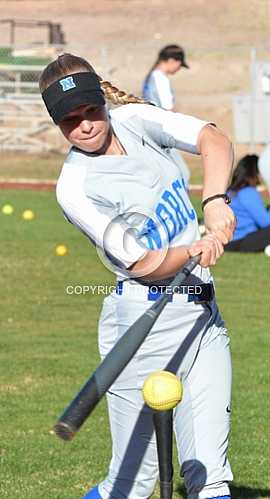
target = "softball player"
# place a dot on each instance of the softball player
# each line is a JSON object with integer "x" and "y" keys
{"x": 122, "y": 189}
{"x": 156, "y": 86}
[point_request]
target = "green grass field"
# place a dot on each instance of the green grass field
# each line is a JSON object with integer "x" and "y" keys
{"x": 49, "y": 346}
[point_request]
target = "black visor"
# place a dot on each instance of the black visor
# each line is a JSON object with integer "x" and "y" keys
{"x": 70, "y": 92}
{"x": 184, "y": 64}
{"x": 181, "y": 57}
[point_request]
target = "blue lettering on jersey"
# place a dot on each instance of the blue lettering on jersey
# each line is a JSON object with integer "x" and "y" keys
{"x": 176, "y": 209}
{"x": 152, "y": 235}
{"x": 67, "y": 83}
{"x": 167, "y": 219}
{"x": 177, "y": 187}
{"x": 173, "y": 213}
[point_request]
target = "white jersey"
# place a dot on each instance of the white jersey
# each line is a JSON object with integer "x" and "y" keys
{"x": 157, "y": 89}
{"x": 264, "y": 166}
{"x": 135, "y": 202}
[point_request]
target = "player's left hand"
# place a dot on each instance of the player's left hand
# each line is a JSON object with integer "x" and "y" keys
{"x": 209, "y": 247}
{"x": 219, "y": 219}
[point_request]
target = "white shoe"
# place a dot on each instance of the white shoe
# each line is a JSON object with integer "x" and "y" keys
{"x": 267, "y": 250}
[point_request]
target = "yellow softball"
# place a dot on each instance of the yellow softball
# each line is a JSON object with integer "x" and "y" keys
{"x": 7, "y": 209}
{"x": 162, "y": 390}
{"x": 61, "y": 250}
{"x": 28, "y": 215}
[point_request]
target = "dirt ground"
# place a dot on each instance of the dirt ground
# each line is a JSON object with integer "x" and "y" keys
{"x": 122, "y": 38}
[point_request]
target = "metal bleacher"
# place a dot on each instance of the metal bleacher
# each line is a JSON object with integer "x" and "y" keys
{"x": 24, "y": 122}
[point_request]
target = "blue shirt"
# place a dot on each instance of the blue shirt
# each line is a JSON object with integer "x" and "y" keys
{"x": 251, "y": 214}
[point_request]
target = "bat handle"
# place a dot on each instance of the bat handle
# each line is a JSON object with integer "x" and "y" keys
{"x": 191, "y": 264}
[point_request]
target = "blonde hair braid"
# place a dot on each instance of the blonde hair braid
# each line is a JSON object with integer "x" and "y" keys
{"x": 116, "y": 96}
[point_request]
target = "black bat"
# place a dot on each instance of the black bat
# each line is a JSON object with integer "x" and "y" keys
{"x": 163, "y": 423}
{"x": 111, "y": 367}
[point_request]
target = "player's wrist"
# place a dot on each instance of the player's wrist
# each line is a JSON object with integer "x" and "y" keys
{"x": 216, "y": 197}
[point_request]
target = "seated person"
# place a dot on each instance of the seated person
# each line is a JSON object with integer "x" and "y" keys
{"x": 252, "y": 231}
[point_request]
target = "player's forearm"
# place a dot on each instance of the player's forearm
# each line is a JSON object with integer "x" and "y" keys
{"x": 217, "y": 157}
{"x": 160, "y": 264}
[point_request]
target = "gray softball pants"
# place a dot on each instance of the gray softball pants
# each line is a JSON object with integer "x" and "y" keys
{"x": 190, "y": 340}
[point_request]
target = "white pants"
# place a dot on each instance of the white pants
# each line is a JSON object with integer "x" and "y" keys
{"x": 191, "y": 341}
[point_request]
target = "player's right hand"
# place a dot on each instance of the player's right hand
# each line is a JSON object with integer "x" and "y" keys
{"x": 210, "y": 247}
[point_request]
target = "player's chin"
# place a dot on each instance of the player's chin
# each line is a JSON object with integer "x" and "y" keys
{"x": 91, "y": 144}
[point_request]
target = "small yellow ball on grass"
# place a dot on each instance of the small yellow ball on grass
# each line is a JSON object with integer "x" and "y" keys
{"x": 28, "y": 215}
{"x": 7, "y": 209}
{"x": 61, "y": 250}
{"x": 162, "y": 390}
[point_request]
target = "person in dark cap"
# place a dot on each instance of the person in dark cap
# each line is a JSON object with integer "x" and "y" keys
{"x": 156, "y": 86}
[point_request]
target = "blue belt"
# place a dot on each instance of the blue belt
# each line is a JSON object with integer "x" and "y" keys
{"x": 199, "y": 293}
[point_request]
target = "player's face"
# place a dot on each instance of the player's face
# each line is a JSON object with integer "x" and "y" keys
{"x": 173, "y": 66}
{"x": 87, "y": 127}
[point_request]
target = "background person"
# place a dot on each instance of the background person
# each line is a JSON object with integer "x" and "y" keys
{"x": 252, "y": 231}
{"x": 116, "y": 172}
{"x": 157, "y": 87}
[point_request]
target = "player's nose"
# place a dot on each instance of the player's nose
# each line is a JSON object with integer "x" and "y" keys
{"x": 86, "y": 125}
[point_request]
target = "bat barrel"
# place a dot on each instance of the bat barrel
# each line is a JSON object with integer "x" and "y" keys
{"x": 64, "y": 431}
{"x": 108, "y": 371}
{"x": 78, "y": 410}
{"x": 96, "y": 386}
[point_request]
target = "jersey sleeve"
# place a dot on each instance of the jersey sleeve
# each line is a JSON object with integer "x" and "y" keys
{"x": 100, "y": 221}
{"x": 163, "y": 89}
{"x": 166, "y": 128}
